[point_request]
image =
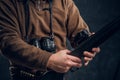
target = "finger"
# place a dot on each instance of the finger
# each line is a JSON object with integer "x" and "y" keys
{"x": 92, "y": 33}
{"x": 97, "y": 50}
{"x": 88, "y": 54}
{"x": 67, "y": 69}
{"x": 67, "y": 51}
{"x": 87, "y": 59}
{"x": 86, "y": 63}
{"x": 74, "y": 59}
{"x": 61, "y": 69}
{"x": 64, "y": 69}
{"x": 73, "y": 64}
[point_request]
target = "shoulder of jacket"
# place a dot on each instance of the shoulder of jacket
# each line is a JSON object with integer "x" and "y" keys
{"x": 69, "y": 2}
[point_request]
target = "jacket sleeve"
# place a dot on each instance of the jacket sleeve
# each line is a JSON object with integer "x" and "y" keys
{"x": 75, "y": 22}
{"x": 11, "y": 43}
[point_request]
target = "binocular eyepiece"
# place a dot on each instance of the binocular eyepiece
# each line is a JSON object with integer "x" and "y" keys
{"x": 45, "y": 43}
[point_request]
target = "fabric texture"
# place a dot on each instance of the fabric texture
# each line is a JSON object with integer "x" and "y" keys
{"x": 67, "y": 22}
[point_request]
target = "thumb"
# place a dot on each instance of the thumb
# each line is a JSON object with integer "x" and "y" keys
{"x": 67, "y": 51}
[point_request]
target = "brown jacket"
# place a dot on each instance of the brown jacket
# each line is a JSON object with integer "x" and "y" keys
{"x": 66, "y": 21}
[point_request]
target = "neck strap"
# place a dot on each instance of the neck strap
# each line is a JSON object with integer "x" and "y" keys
{"x": 27, "y": 18}
{"x": 51, "y": 25}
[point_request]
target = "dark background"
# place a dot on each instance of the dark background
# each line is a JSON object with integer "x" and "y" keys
{"x": 106, "y": 64}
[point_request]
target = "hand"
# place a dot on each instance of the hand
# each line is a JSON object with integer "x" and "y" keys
{"x": 90, "y": 55}
{"x": 61, "y": 61}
